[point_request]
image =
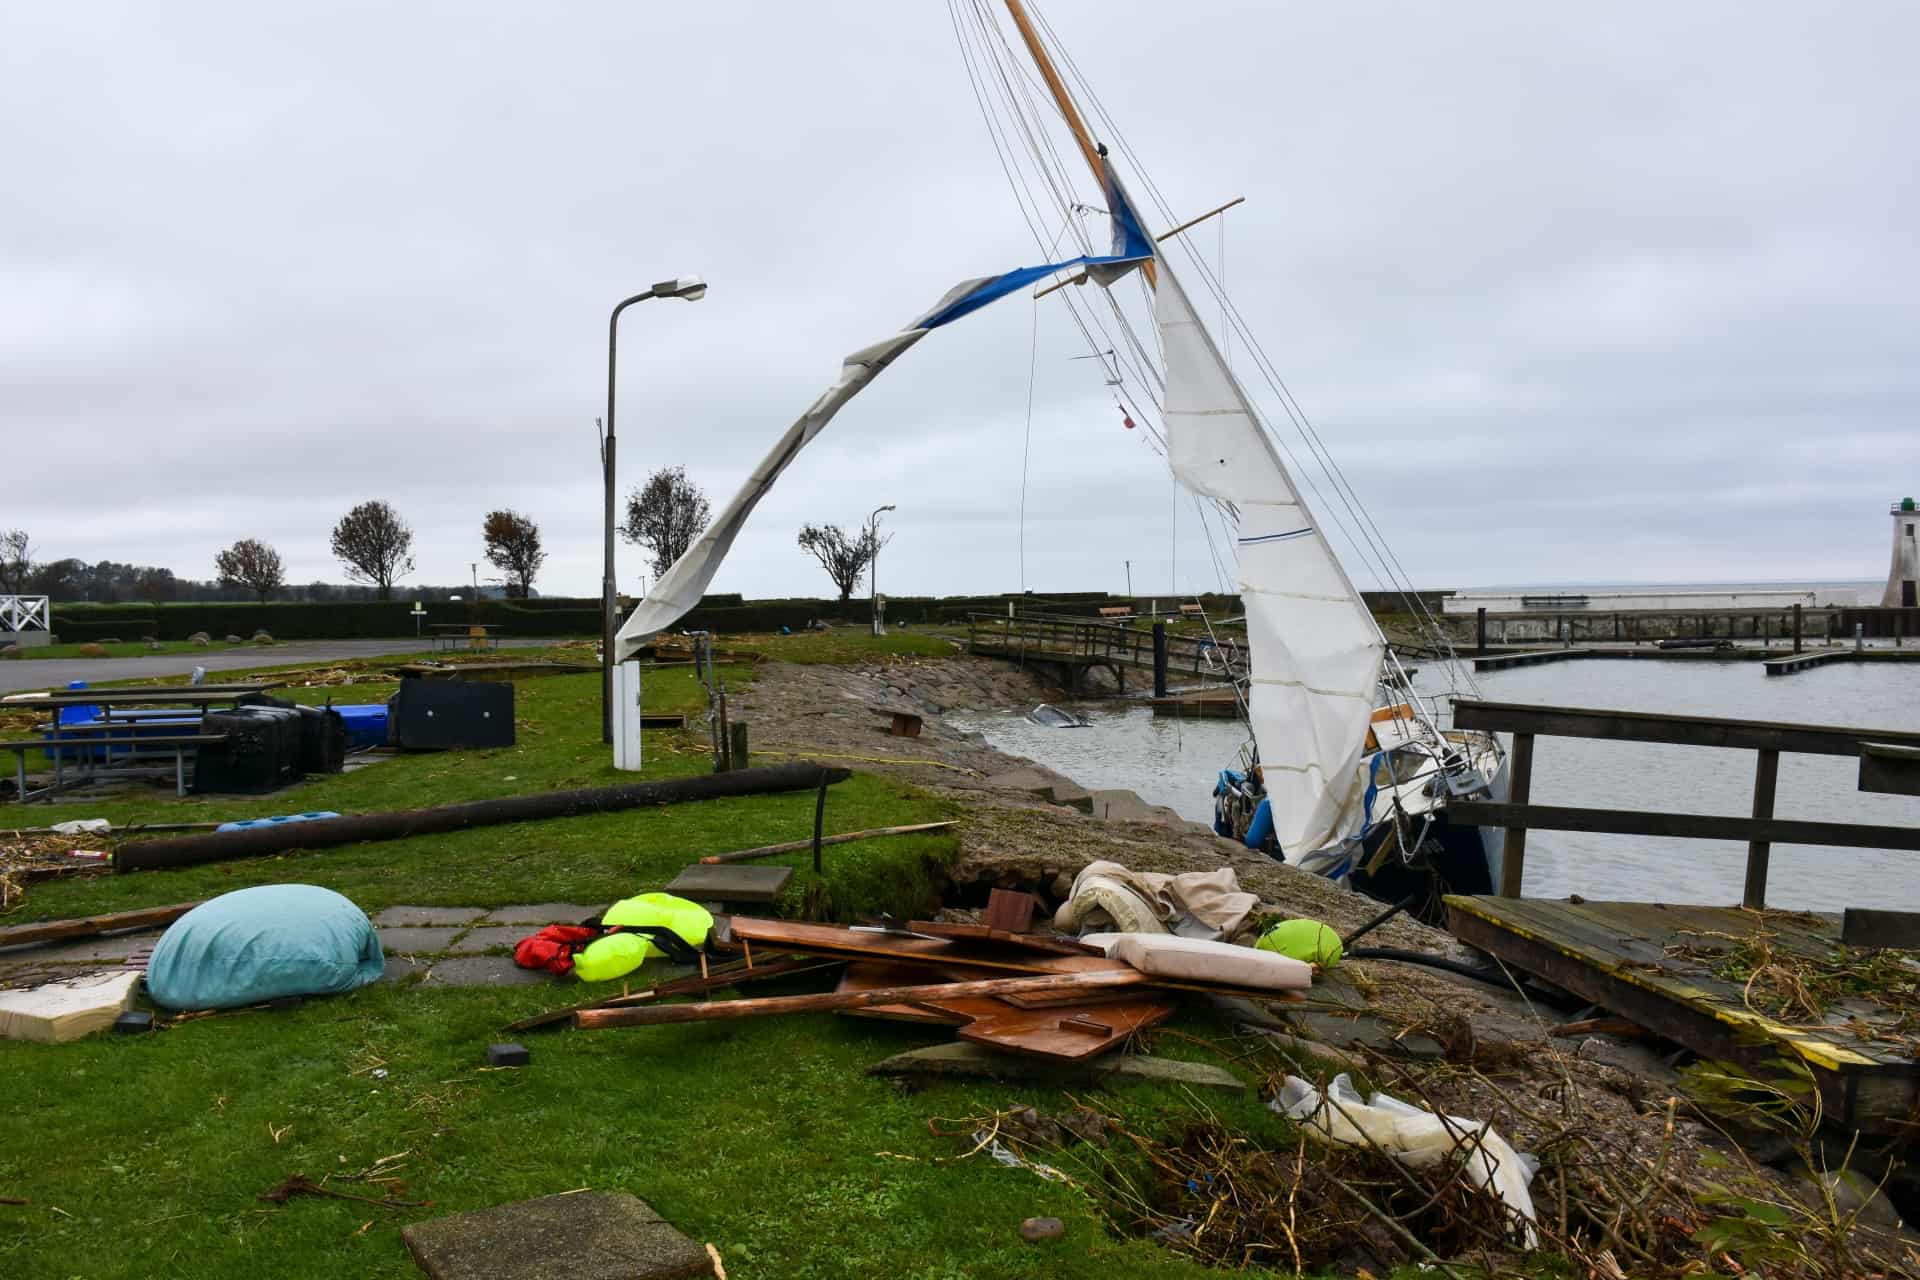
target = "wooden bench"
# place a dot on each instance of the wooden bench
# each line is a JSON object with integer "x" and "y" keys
{"x": 474, "y": 635}
{"x": 177, "y": 744}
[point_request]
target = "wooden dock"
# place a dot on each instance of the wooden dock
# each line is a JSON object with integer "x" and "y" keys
{"x": 1656, "y": 964}
{"x": 1530, "y": 658}
{"x": 1802, "y": 661}
{"x": 1073, "y": 646}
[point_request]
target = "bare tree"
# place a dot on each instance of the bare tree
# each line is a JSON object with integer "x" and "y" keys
{"x": 16, "y": 561}
{"x": 373, "y": 545}
{"x": 844, "y": 558}
{"x": 252, "y": 564}
{"x": 513, "y": 547}
{"x": 155, "y": 584}
{"x": 665, "y": 515}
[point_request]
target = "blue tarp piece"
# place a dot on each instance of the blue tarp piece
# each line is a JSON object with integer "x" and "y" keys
{"x": 250, "y": 823}
{"x": 258, "y": 944}
{"x": 1130, "y": 247}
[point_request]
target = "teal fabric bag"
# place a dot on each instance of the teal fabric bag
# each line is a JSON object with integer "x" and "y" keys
{"x": 258, "y": 944}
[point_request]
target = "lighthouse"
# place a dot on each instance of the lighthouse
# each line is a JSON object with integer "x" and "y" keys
{"x": 1905, "y": 573}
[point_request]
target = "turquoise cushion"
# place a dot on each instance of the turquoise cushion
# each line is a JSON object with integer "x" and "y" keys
{"x": 255, "y": 945}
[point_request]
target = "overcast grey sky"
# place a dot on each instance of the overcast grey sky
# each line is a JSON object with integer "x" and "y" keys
{"x": 1621, "y": 292}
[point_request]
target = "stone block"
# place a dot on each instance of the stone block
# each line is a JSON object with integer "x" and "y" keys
{"x": 1030, "y": 781}
{"x": 1072, "y": 795}
{"x": 400, "y": 969}
{"x": 483, "y": 938}
{"x": 744, "y": 883}
{"x": 483, "y": 971}
{"x": 409, "y": 916}
{"x": 586, "y": 1235}
{"x": 1121, "y": 806}
{"x": 537, "y": 914}
{"x": 418, "y": 941}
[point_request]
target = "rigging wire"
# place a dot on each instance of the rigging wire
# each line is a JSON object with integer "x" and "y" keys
{"x": 1026, "y": 440}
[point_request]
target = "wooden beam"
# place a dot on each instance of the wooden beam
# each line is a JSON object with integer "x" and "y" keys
{"x": 1513, "y": 857}
{"x": 87, "y": 926}
{"x": 1864, "y": 927}
{"x": 1697, "y": 826}
{"x": 1766, "y": 779}
{"x": 1889, "y": 768}
{"x": 1687, "y": 731}
{"x": 795, "y": 846}
{"x": 651, "y": 1015}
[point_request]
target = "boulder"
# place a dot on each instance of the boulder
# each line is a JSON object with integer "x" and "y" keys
{"x": 233, "y": 639}
{"x": 11, "y": 651}
{"x": 93, "y": 650}
{"x": 200, "y": 639}
{"x": 261, "y": 637}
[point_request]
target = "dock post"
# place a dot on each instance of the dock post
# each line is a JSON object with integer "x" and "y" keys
{"x": 1765, "y": 775}
{"x": 1159, "y": 659}
{"x": 737, "y": 753}
{"x": 1513, "y": 857}
{"x": 1796, "y": 628}
{"x": 1480, "y": 629}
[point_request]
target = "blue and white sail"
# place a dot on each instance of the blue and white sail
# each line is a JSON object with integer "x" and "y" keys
{"x": 681, "y": 586}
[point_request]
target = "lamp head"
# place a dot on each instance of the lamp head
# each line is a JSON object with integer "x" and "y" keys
{"x": 691, "y": 288}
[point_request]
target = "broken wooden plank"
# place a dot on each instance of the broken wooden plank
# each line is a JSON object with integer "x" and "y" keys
{"x": 20, "y": 935}
{"x": 827, "y": 1002}
{"x": 1010, "y": 910}
{"x": 821, "y": 939}
{"x": 795, "y": 846}
{"x": 719, "y": 978}
{"x": 982, "y": 933}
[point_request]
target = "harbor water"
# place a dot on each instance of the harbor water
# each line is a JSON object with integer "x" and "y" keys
{"x": 1174, "y": 762}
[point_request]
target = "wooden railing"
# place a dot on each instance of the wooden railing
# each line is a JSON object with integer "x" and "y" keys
{"x": 1761, "y": 832}
{"x": 1053, "y": 638}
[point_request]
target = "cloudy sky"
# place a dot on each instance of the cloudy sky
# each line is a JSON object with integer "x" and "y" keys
{"x": 1624, "y": 293}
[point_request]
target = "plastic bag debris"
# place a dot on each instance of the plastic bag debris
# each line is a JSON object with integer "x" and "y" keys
{"x": 83, "y": 827}
{"x": 1413, "y": 1135}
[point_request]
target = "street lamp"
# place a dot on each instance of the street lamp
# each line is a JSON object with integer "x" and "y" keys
{"x": 691, "y": 288}
{"x": 873, "y": 571}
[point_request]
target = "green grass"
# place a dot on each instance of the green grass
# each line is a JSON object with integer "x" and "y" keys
{"x": 145, "y": 1156}
{"x": 122, "y": 649}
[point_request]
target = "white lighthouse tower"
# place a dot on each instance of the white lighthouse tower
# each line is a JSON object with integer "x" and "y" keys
{"x": 1905, "y": 573}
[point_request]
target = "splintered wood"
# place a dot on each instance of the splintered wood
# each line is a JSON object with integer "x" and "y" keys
{"x": 1030, "y": 994}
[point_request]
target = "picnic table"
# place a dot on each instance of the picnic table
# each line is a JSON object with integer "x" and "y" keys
{"x": 476, "y": 635}
{"x": 111, "y": 747}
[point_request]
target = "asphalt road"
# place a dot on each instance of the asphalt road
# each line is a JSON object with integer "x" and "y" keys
{"x": 54, "y": 673}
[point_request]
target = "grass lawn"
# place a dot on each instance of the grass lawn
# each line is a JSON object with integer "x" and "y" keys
{"x": 145, "y": 1156}
{"x": 121, "y": 649}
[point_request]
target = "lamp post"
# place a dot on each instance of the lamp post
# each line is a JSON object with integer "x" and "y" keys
{"x": 873, "y": 571}
{"x": 691, "y": 288}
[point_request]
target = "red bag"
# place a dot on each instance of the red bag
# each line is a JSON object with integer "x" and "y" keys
{"x": 553, "y": 947}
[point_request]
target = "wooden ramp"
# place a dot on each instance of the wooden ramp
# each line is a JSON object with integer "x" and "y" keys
{"x": 1654, "y": 963}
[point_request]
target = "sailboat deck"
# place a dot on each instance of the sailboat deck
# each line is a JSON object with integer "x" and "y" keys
{"x": 1680, "y": 971}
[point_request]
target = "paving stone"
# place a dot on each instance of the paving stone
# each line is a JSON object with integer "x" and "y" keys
{"x": 1031, "y": 781}
{"x": 542, "y": 913}
{"x": 483, "y": 938}
{"x": 972, "y": 1061}
{"x": 484, "y": 971}
{"x": 400, "y": 969}
{"x": 404, "y": 916}
{"x": 418, "y": 942}
{"x": 587, "y": 1235}
{"x": 741, "y": 883}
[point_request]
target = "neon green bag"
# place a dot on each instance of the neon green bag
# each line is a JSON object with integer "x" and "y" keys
{"x": 619, "y": 954}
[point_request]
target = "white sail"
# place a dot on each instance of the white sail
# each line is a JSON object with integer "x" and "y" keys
{"x": 1316, "y": 653}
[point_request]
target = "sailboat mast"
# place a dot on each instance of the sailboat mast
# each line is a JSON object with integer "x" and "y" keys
{"x": 1089, "y": 150}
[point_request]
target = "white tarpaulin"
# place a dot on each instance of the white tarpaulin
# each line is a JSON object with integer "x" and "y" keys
{"x": 1316, "y": 653}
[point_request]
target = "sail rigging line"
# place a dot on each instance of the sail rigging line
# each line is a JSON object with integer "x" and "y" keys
{"x": 1370, "y": 543}
{"x": 1026, "y": 440}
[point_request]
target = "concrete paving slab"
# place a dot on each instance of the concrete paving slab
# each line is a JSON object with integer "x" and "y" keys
{"x": 418, "y": 942}
{"x": 484, "y": 971}
{"x": 543, "y": 913}
{"x": 587, "y": 1235}
{"x": 398, "y": 917}
{"x": 116, "y": 946}
{"x": 401, "y": 968}
{"x": 483, "y": 938}
{"x": 1031, "y": 781}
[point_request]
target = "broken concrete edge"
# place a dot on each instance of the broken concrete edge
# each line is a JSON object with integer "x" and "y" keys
{"x": 963, "y": 1060}
{"x": 587, "y": 1235}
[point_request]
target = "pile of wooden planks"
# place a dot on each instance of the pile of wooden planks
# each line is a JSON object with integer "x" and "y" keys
{"x": 1024, "y": 993}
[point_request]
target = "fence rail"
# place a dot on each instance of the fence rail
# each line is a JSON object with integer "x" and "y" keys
{"x": 1761, "y": 831}
{"x": 23, "y": 613}
{"x": 1081, "y": 642}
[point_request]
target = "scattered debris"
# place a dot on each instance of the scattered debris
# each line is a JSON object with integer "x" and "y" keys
{"x": 298, "y": 1184}
{"x": 508, "y": 1055}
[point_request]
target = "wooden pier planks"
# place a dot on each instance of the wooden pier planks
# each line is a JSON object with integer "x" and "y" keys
{"x": 1617, "y": 954}
{"x": 1802, "y": 661}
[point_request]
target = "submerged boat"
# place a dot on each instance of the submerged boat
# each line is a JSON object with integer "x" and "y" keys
{"x": 1346, "y": 772}
{"x": 1054, "y": 718}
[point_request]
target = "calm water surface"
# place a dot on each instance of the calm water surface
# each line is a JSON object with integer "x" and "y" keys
{"x": 1174, "y": 762}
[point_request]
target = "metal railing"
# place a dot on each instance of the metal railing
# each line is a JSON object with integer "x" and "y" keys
{"x": 1083, "y": 641}
{"x": 24, "y": 613}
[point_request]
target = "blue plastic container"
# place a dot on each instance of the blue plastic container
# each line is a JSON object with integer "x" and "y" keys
{"x": 366, "y": 725}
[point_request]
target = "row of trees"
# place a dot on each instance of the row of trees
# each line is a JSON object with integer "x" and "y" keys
{"x": 374, "y": 545}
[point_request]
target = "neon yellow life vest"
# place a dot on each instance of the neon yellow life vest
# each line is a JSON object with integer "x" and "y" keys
{"x": 619, "y": 954}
